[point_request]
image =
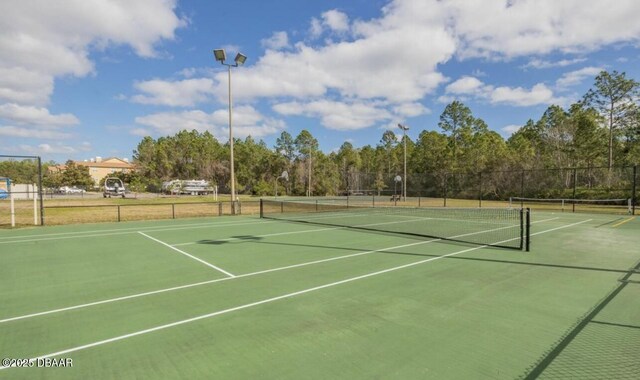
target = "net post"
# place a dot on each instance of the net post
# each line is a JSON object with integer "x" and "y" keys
{"x": 528, "y": 226}
{"x": 261, "y": 209}
{"x": 521, "y": 229}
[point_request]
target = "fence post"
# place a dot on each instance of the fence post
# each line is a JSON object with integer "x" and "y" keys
{"x": 173, "y": 210}
{"x": 41, "y": 200}
{"x": 480, "y": 192}
{"x": 118, "y": 213}
{"x": 219, "y": 208}
{"x": 522, "y": 189}
{"x": 634, "y": 198}
{"x": 575, "y": 184}
{"x": 445, "y": 189}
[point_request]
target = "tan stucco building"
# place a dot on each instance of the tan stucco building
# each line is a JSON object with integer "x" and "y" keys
{"x": 99, "y": 168}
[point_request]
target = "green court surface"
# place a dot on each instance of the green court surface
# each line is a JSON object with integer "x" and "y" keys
{"x": 243, "y": 297}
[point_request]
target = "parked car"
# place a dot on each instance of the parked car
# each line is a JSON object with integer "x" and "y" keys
{"x": 70, "y": 190}
{"x": 113, "y": 186}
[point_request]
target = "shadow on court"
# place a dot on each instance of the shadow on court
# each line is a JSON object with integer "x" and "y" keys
{"x": 260, "y": 240}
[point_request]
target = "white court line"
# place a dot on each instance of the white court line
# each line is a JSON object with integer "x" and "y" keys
{"x": 115, "y": 230}
{"x": 149, "y": 229}
{"x": 165, "y": 290}
{"x": 188, "y": 255}
{"x": 277, "y": 298}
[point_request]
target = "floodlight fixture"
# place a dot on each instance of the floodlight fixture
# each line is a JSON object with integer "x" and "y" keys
{"x": 220, "y": 55}
{"x": 240, "y": 59}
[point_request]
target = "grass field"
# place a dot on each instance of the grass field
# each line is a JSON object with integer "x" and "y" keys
{"x": 243, "y": 297}
{"x": 146, "y": 206}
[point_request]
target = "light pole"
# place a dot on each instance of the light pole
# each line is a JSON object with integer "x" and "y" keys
{"x": 220, "y": 56}
{"x": 404, "y": 139}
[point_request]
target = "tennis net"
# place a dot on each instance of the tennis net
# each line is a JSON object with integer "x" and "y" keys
{"x": 616, "y": 206}
{"x": 500, "y": 227}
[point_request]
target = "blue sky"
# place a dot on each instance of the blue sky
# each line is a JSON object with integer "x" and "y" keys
{"x": 86, "y": 78}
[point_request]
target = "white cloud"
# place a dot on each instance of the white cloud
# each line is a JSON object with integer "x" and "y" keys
{"x": 471, "y": 88}
{"x": 26, "y": 115}
{"x": 411, "y": 110}
{"x": 142, "y": 132}
{"x": 464, "y": 85}
{"x": 576, "y": 77}
{"x": 182, "y": 93}
{"x": 280, "y": 73}
{"x": 246, "y": 121}
{"x": 501, "y": 28}
{"x": 542, "y": 64}
{"x": 315, "y": 28}
{"x": 335, "y": 20}
{"x": 43, "y": 149}
{"x": 24, "y": 86}
{"x": 22, "y": 132}
{"x": 519, "y": 96}
{"x": 277, "y": 41}
{"x": 511, "y": 129}
{"x": 336, "y": 115}
{"x": 41, "y": 40}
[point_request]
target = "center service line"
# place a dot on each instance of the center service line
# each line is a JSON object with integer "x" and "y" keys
{"x": 188, "y": 255}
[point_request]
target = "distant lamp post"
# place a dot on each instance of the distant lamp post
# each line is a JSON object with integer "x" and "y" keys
{"x": 395, "y": 189}
{"x": 404, "y": 139}
{"x": 240, "y": 59}
{"x": 284, "y": 176}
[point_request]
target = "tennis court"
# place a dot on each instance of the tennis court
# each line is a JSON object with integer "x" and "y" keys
{"x": 250, "y": 297}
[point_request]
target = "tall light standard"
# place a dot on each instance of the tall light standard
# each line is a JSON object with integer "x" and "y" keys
{"x": 220, "y": 56}
{"x": 404, "y": 138}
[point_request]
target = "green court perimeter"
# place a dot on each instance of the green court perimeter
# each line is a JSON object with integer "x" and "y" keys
{"x": 243, "y": 297}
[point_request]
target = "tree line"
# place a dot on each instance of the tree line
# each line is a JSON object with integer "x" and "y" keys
{"x": 602, "y": 129}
